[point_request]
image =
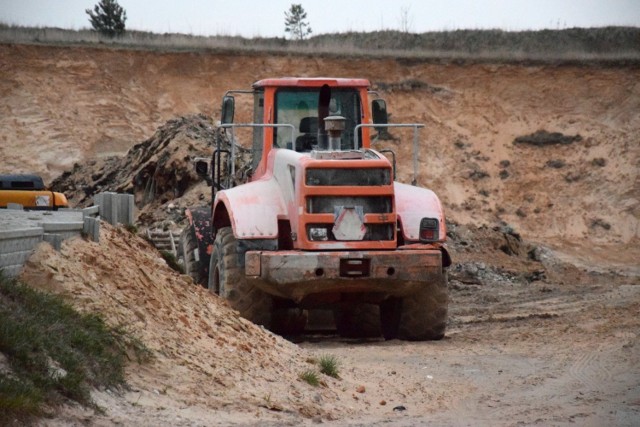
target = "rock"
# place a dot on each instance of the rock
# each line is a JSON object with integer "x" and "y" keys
{"x": 478, "y": 174}
{"x": 599, "y": 222}
{"x": 556, "y": 164}
{"x": 572, "y": 177}
{"x": 536, "y": 276}
{"x": 360, "y": 389}
{"x": 542, "y": 137}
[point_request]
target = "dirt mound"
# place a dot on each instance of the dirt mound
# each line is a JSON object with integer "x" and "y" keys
{"x": 205, "y": 357}
{"x": 157, "y": 171}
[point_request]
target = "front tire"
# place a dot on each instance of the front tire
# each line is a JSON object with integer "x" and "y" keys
{"x": 226, "y": 277}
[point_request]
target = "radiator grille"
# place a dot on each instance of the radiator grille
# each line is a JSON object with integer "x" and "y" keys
{"x": 370, "y": 204}
{"x": 348, "y": 177}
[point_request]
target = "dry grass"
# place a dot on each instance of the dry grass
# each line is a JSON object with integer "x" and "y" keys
{"x": 574, "y": 45}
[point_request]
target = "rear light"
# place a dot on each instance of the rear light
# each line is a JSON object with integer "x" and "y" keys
{"x": 429, "y": 230}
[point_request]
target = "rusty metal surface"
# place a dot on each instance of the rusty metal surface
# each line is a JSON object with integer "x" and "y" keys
{"x": 294, "y": 274}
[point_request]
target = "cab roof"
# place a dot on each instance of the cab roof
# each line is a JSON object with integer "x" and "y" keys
{"x": 21, "y": 182}
{"x": 311, "y": 82}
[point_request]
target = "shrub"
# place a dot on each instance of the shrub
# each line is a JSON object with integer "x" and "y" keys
{"x": 54, "y": 352}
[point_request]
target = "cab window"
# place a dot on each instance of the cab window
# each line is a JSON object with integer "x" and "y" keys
{"x": 301, "y": 108}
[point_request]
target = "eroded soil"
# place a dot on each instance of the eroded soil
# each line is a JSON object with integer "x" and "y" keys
{"x": 545, "y": 289}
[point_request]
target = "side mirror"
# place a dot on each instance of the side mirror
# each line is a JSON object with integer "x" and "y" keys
{"x": 379, "y": 112}
{"x": 228, "y": 107}
{"x": 202, "y": 168}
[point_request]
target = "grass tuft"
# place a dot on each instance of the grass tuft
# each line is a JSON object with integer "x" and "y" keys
{"x": 172, "y": 261}
{"x": 310, "y": 377}
{"x": 131, "y": 228}
{"x": 52, "y": 352}
{"x": 329, "y": 366}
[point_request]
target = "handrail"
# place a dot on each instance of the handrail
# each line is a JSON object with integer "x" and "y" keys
{"x": 415, "y": 126}
{"x": 238, "y": 91}
{"x": 232, "y": 126}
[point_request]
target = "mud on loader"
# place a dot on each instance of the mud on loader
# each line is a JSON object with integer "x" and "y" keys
{"x": 320, "y": 221}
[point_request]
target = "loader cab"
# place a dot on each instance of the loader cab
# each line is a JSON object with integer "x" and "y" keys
{"x": 290, "y": 114}
{"x": 307, "y": 108}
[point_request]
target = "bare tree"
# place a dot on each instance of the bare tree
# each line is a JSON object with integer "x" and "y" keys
{"x": 108, "y": 18}
{"x": 406, "y": 21}
{"x": 295, "y": 22}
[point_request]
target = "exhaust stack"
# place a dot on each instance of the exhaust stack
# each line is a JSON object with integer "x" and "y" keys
{"x": 335, "y": 125}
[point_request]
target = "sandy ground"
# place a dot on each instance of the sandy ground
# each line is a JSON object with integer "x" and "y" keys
{"x": 546, "y": 341}
{"x": 517, "y": 351}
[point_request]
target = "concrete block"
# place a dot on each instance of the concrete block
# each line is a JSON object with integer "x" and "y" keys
{"x": 91, "y": 211}
{"x": 54, "y": 240}
{"x": 125, "y": 208}
{"x": 107, "y": 208}
{"x": 92, "y": 228}
{"x": 62, "y": 227}
{"x": 19, "y": 240}
{"x": 20, "y": 233}
{"x": 14, "y": 258}
{"x": 16, "y": 246}
{"x": 114, "y": 209}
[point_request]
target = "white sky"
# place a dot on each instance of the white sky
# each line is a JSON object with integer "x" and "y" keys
{"x": 265, "y": 18}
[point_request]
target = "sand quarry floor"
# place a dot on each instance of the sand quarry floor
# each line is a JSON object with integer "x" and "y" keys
{"x": 552, "y": 340}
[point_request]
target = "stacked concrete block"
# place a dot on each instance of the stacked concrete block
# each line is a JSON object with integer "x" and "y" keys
{"x": 21, "y": 231}
{"x": 65, "y": 230}
{"x": 91, "y": 227}
{"x": 15, "y": 248}
{"x": 115, "y": 208}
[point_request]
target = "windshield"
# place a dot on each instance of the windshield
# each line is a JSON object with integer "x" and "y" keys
{"x": 306, "y": 109}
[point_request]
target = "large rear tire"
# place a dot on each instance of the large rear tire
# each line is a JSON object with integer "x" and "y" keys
{"x": 418, "y": 317}
{"x": 358, "y": 321}
{"x": 226, "y": 276}
{"x": 189, "y": 246}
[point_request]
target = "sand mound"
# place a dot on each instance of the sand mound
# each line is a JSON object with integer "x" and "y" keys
{"x": 204, "y": 355}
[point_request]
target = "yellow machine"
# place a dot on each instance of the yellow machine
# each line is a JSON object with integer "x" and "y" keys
{"x": 29, "y": 192}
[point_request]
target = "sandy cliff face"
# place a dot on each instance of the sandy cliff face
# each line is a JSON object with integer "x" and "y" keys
{"x": 63, "y": 105}
{"x": 526, "y": 327}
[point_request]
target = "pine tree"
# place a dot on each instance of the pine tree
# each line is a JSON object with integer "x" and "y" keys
{"x": 295, "y": 22}
{"x": 108, "y": 18}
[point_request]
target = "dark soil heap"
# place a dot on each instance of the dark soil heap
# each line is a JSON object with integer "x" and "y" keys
{"x": 158, "y": 171}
